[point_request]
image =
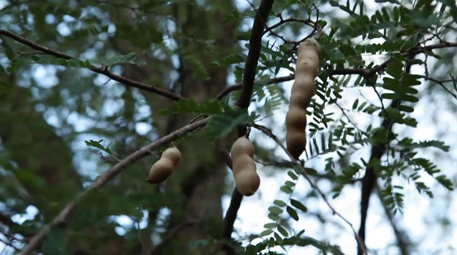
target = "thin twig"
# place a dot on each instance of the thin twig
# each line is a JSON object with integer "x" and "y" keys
{"x": 441, "y": 83}
{"x": 297, "y": 164}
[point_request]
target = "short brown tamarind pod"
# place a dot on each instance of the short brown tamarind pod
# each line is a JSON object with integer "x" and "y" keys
{"x": 244, "y": 168}
{"x": 163, "y": 168}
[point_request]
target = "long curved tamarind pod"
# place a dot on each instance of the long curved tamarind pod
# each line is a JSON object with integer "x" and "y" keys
{"x": 303, "y": 89}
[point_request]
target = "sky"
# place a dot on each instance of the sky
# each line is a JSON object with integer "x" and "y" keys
{"x": 419, "y": 211}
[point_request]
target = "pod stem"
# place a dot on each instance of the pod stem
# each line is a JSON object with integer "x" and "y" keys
{"x": 248, "y": 132}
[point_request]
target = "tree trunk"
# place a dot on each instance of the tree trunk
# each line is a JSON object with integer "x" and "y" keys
{"x": 200, "y": 175}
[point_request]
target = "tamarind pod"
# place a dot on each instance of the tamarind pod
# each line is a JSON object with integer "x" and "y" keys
{"x": 247, "y": 182}
{"x": 173, "y": 154}
{"x": 309, "y": 45}
{"x": 246, "y": 178}
{"x": 303, "y": 89}
{"x": 300, "y": 101}
{"x": 306, "y": 70}
{"x": 296, "y": 119}
{"x": 160, "y": 171}
{"x": 243, "y": 163}
{"x": 242, "y": 146}
{"x": 296, "y": 143}
{"x": 304, "y": 84}
{"x": 163, "y": 168}
{"x": 244, "y": 168}
{"x": 308, "y": 59}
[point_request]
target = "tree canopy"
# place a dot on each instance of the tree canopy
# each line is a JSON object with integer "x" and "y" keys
{"x": 92, "y": 93}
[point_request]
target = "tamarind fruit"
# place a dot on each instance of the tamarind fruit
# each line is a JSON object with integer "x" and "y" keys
{"x": 303, "y": 89}
{"x": 163, "y": 168}
{"x": 244, "y": 168}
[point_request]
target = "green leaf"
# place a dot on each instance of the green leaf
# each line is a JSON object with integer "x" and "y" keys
{"x": 270, "y": 225}
{"x": 291, "y": 211}
{"x": 273, "y": 216}
{"x": 292, "y": 175}
{"x": 96, "y": 144}
{"x": 198, "y": 68}
{"x": 266, "y": 232}
{"x": 279, "y": 203}
{"x": 355, "y": 104}
{"x": 405, "y": 108}
{"x": 234, "y": 59}
{"x": 283, "y": 231}
{"x": 298, "y": 205}
{"x": 221, "y": 125}
{"x": 286, "y": 189}
{"x": 311, "y": 171}
{"x": 232, "y": 16}
{"x": 278, "y": 239}
{"x": 289, "y": 184}
{"x": 275, "y": 210}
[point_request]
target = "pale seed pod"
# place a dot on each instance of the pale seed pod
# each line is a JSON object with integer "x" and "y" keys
{"x": 163, "y": 168}
{"x": 244, "y": 168}
{"x": 303, "y": 89}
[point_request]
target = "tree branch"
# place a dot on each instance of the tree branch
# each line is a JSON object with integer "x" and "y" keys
{"x": 364, "y": 72}
{"x": 103, "y": 179}
{"x": 104, "y": 71}
{"x": 370, "y": 177}
{"x": 255, "y": 46}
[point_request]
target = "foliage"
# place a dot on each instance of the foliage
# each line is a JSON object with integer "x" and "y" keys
{"x": 143, "y": 46}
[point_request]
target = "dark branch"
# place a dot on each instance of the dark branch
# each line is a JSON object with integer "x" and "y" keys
{"x": 103, "y": 179}
{"x": 370, "y": 178}
{"x": 95, "y": 69}
{"x": 235, "y": 202}
{"x": 255, "y": 46}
